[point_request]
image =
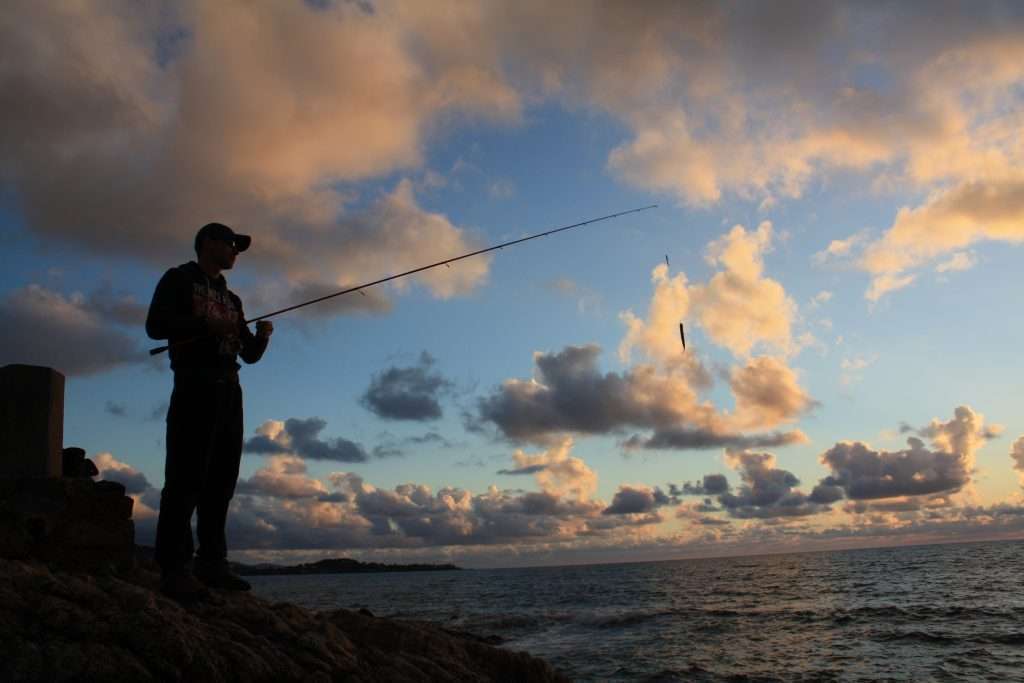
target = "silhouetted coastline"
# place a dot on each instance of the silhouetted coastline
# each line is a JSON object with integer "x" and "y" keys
{"x": 337, "y": 565}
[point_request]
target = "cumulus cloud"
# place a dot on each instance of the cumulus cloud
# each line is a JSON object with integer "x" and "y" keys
{"x": 946, "y": 223}
{"x": 1017, "y": 455}
{"x": 767, "y": 393}
{"x": 112, "y": 469}
{"x": 75, "y": 334}
{"x": 282, "y": 508}
{"x": 658, "y": 336}
{"x": 570, "y": 395}
{"x": 114, "y": 145}
{"x": 284, "y": 476}
{"x": 301, "y": 437}
{"x": 632, "y": 500}
{"x": 126, "y": 132}
{"x": 867, "y": 474}
{"x": 557, "y": 472}
{"x": 714, "y": 102}
{"x": 137, "y": 487}
{"x": 711, "y": 485}
{"x": 739, "y": 308}
{"x": 769, "y": 492}
{"x": 409, "y": 393}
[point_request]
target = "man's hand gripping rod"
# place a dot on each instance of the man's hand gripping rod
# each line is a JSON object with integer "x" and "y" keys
{"x": 161, "y": 349}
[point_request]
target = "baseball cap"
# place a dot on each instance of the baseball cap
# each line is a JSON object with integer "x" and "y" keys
{"x": 219, "y": 231}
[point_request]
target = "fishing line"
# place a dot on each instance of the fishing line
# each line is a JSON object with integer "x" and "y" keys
{"x": 446, "y": 262}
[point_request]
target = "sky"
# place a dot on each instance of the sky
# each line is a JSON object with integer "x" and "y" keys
{"x": 840, "y": 191}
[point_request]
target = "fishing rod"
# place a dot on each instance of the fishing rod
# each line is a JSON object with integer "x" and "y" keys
{"x": 161, "y": 349}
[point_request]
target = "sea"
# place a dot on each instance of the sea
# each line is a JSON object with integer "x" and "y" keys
{"x": 919, "y": 613}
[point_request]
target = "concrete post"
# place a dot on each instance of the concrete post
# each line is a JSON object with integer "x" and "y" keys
{"x": 31, "y": 421}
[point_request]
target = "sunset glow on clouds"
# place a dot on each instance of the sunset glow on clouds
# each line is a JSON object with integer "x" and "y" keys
{"x": 841, "y": 212}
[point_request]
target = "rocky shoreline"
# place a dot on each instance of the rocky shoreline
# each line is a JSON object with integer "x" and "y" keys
{"x": 62, "y": 625}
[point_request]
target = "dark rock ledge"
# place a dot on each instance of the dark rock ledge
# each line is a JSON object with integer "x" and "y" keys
{"x": 58, "y": 625}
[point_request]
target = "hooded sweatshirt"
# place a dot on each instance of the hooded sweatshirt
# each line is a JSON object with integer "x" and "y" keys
{"x": 184, "y": 302}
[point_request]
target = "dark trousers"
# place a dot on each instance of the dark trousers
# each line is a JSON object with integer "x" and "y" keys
{"x": 204, "y": 450}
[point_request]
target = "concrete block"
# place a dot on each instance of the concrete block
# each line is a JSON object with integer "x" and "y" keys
{"x": 31, "y": 421}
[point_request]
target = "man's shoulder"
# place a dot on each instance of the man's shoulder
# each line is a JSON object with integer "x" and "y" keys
{"x": 185, "y": 271}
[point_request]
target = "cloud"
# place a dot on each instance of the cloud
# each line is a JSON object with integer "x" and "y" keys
{"x": 632, "y": 500}
{"x": 557, "y": 472}
{"x": 569, "y": 394}
{"x": 961, "y": 260}
{"x": 69, "y": 333}
{"x": 839, "y": 249}
{"x": 949, "y": 221}
{"x": 301, "y": 437}
{"x": 711, "y": 485}
{"x": 963, "y": 434}
{"x": 409, "y": 393}
{"x": 280, "y": 507}
{"x": 115, "y": 409}
{"x": 1017, "y": 455}
{"x": 767, "y": 393}
{"x": 739, "y": 308}
{"x": 159, "y": 412}
{"x": 502, "y": 189}
{"x": 821, "y": 298}
{"x": 851, "y": 368}
{"x": 866, "y": 474}
{"x": 111, "y": 469}
{"x": 113, "y": 145}
{"x": 714, "y": 103}
{"x": 127, "y": 133}
{"x": 658, "y": 336}
{"x": 587, "y": 300}
{"x": 284, "y": 476}
{"x": 699, "y": 439}
{"x": 768, "y": 492}
{"x": 529, "y": 469}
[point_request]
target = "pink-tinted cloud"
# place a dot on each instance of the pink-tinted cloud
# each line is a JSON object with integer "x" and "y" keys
{"x": 767, "y": 393}
{"x": 739, "y": 307}
{"x": 969, "y": 213}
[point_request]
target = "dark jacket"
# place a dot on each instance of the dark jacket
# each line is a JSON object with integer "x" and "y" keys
{"x": 184, "y": 300}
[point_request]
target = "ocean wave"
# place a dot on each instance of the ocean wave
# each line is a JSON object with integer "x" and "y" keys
{"x": 919, "y": 636}
{"x": 632, "y": 618}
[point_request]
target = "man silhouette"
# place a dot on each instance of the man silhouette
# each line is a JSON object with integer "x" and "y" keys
{"x": 205, "y": 327}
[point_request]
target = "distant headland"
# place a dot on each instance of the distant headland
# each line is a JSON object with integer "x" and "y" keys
{"x": 338, "y": 565}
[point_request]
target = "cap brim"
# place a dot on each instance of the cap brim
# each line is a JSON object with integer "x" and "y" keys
{"x": 242, "y": 242}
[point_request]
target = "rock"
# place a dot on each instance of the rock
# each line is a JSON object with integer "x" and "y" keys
{"x": 75, "y": 464}
{"x": 63, "y": 626}
{"x": 71, "y": 521}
